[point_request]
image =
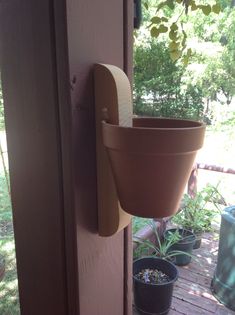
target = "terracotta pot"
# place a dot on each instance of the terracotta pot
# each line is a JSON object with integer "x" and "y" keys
{"x": 151, "y": 162}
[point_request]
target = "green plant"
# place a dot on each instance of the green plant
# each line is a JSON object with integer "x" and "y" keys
{"x": 9, "y": 286}
{"x": 159, "y": 88}
{"x": 138, "y": 223}
{"x": 161, "y": 247}
{"x": 197, "y": 213}
{"x": 171, "y": 17}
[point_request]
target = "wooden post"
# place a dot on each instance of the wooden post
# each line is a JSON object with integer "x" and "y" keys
{"x": 98, "y": 32}
{"x": 36, "y": 91}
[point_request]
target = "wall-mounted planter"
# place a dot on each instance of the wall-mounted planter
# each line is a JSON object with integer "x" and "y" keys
{"x": 113, "y": 101}
{"x": 151, "y": 162}
{"x": 143, "y": 164}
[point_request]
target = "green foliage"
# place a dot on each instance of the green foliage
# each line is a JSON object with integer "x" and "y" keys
{"x": 5, "y": 203}
{"x": 205, "y": 74}
{"x": 158, "y": 86}
{"x": 8, "y": 286}
{"x": 197, "y": 213}
{"x": 9, "y": 298}
{"x": 159, "y": 248}
{"x": 230, "y": 121}
{"x": 214, "y": 53}
{"x": 169, "y": 17}
{"x": 138, "y": 223}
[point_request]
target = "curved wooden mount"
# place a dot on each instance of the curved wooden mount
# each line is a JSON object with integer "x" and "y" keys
{"x": 113, "y": 101}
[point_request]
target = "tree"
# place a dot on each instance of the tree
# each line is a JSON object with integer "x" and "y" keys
{"x": 171, "y": 16}
{"x": 214, "y": 47}
{"x": 158, "y": 86}
{"x": 189, "y": 88}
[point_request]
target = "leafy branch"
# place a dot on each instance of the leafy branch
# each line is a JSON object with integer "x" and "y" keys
{"x": 160, "y": 23}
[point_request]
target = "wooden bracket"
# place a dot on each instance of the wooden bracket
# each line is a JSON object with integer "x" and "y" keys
{"x": 113, "y": 101}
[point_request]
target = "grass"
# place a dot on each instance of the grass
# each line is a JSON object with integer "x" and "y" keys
{"x": 5, "y": 203}
{"x": 9, "y": 304}
{"x": 9, "y": 300}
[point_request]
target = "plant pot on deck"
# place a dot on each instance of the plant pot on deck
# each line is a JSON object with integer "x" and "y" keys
{"x": 153, "y": 298}
{"x": 185, "y": 245}
{"x": 151, "y": 162}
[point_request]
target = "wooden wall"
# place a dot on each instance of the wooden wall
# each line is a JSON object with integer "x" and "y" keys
{"x": 97, "y": 31}
{"x": 47, "y": 52}
{"x": 32, "y": 107}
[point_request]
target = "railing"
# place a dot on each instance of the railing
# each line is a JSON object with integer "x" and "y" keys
{"x": 192, "y": 182}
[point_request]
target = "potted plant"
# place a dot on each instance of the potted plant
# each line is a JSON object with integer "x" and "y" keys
{"x": 153, "y": 281}
{"x": 154, "y": 276}
{"x": 197, "y": 213}
{"x": 183, "y": 245}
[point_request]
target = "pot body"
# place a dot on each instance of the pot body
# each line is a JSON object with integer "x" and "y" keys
{"x": 150, "y": 298}
{"x": 184, "y": 246}
{"x": 151, "y": 163}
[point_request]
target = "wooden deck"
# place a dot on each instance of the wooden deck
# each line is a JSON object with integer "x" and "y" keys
{"x": 192, "y": 295}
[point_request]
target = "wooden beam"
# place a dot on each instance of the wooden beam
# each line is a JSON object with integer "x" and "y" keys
{"x": 36, "y": 97}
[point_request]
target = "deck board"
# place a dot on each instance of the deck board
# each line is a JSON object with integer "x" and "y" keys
{"x": 192, "y": 294}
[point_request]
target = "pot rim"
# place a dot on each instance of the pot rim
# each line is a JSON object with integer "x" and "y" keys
{"x": 194, "y": 124}
{"x": 190, "y": 123}
{"x": 150, "y": 140}
{"x": 157, "y": 284}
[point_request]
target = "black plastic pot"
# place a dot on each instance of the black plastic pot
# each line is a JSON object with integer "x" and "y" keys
{"x": 185, "y": 245}
{"x": 153, "y": 298}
